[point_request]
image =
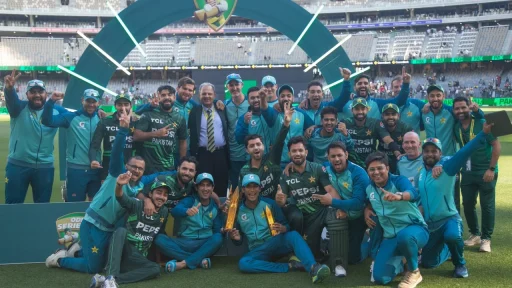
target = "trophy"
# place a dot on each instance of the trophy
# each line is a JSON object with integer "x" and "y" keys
{"x": 270, "y": 220}
{"x": 233, "y": 208}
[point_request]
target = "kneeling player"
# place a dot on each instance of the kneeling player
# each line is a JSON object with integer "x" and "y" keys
{"x": 199, "y": 234}
{"x": 127, "y": 262}
{"x": 252, "y": 222}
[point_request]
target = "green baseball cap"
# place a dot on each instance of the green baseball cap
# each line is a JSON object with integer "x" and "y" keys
{"x": 122, "y": 97}
{"x": 434, "y": 87}
{"x": 359, "y": 101}
{"x": 391, "y": 106}
{"x": 158, "y": 183}
{"x": 35, "y": 83}
{"x": 250, "y": 178}
{"x": 433, "y": 141}
{"x": 91, "y": 94}
{"x": 204, "y": 176}
{"x": 285, "y": 87}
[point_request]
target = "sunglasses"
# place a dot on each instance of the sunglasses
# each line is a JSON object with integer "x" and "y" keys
{"x": 34, "y": 83}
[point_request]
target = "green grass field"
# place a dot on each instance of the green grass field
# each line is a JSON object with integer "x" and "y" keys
{"x": 486, "y": 270}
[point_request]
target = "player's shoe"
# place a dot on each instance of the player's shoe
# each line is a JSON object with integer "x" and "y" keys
{"x": 110, "y": 282}
{"x": 206, "y": 263}
{"x": 485, "y": 245}
{"x": 371, "y": 273}
{"x": 97, "y": 281}
{"x": 339, "y": 271}
{"x": 53, "y": 260}
{"x": 295, "y": 264}
{"x": 411, "y": 279}
{"x": 472, "y": 240}
{"x": 72, "y": 249}
{"x": 170, "y": 266}
{"x": 461, "y": 272}
{"x": 319, "y": 272}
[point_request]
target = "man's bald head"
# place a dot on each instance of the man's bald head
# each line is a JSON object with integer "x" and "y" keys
{"x": 411, "y": 144}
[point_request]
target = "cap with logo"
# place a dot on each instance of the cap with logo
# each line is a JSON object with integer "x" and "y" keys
{"x": 233, "y": 77}
{"x": 204, "y": 176}
{"x": 35, "y": 83}
{"x": 434, "y": 87}
{"x": 359, "y": 101}
{"x": 159, "y": 182}
{"x": 432, "y": 141}
{"x": 268, "y": 79}
{"x": 250, "y": 178}
{"x": 91, "y": 94}
{"x": 285, "y": 87}
{"x": 122, "y": 97}
{"x": 390, "y": 106}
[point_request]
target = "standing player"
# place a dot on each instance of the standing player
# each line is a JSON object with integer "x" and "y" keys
{"x": 160, "y": 130}
{"x": 305, "y": 213}
{"x": 267, "y": 165}
{"x": 269, "y": 86}
{"x": 199, "y": 234}
{"x": 410, "y": 113}
{"x": 392, "y": 198}
{"x": 129, "y": 247}
{"x": 362, "y": 89}
{"x": 106, "y": 132}
{"x": 444, "y": 222}
{"x": 252, "y": 222}
{"x": 81, "y": 125}
{"x": 314, "y": 104}
{"x": 30, "y": 159}
{"x": 479, "y": 177}
{"x": 350, "y": 181}
{"x": 396, "y": 130}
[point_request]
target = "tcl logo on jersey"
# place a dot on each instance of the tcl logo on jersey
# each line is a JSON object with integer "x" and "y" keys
{"x": 292, "y": 181}
{"x": 112, "y": 128}
{"x": 159, "y": 121}
{"x": 351, "y": 131}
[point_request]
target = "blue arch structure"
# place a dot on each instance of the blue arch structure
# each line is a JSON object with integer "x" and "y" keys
{"x": 144, "y": 17}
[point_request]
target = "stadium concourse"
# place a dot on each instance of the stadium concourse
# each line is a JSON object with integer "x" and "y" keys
{"x": 223, "y": 156}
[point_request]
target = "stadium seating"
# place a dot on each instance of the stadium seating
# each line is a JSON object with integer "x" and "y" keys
{"x": 490, "y": 40}
{"x": 440, "y": 45}
{"x": 383, "y": 41}
{"x": 359, "y": 46}
{"x": 467, "y": 42}
{"x": 407, "y": 43}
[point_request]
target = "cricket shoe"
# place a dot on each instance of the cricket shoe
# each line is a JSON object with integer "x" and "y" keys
{"x": 295, "y": 264}
{"x": 485, "y": 245}
{"x": 461, "y": 272}
{"x": 72, "y": 249}
{"x": 411, "y": 279}
{"x": 339, "y": 271}
{"x": 53, "y": 260}
{"x": 110, "y": 282}
{"x": 472, "y": 240}
{"x": 319, "y": 272}
{"x": 97, "y": 281}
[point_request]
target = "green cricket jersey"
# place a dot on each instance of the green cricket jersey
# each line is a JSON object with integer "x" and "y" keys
{"x": 270, "y": 168}
{"x": 142, "y": 229}
{"x": 176, "y": 193}
{"x": 481, "y": 158}
{"x": 365, "y": 137}
{"x": 398, "y": 136}
{"x": 300, "y": 187}
{"x": 159, "y": 152}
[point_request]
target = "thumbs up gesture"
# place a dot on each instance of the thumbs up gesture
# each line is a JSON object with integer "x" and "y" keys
{"x": 280, "y": 197}
{"x": 388, "y": 196}
{"x": 194, "y": 210}
{"x": 325, "y": 199}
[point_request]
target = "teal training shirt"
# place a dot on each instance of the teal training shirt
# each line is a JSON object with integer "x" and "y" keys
{"x": 440, "y": 126}
{"x": 318, "y": 144}
{"x": 236, "y": 150}
{"x": 410, "y": 114}
{"x": 351, "y": 185}
{"x": 397, "y": 215}
{"x": 207, "y": 221}
{"x": 257, "y": 125}
{"x": 253, "y": 223}
{"x": 410, "y": 168}
{"x": 30, "y": 142}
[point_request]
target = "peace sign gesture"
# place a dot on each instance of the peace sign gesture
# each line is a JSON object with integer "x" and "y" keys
{"x": 10, "y": 80}
{"x": 405, "y": 76}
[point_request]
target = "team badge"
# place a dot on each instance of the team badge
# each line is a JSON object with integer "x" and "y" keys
{"x": 215, "y": 13}
{"x": 244, "y": 217}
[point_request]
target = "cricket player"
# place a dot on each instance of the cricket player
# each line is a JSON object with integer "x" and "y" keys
{"x": 270, "y": 241}
{"x": 269, "y": 86}
{"x": 81, "y": 125}
{"x": 396, "y": 129}
{"x": 69, "y": 237}
{"x": 267, "y": 165}
{"x": 437, "y": 200}
{"x": 30, "y": 159}
{"x": 393, "y": 199}
{"x": 199, "y": 234}
{"x": 163, "y": 131}
{"x": 129, "y": 247}
{"x": 350, "y": 181}
{"x": 362, "y": 89}
{"x": 410, "y": 113}
{"x": 252, "y": 122}
{"x": 314, "y": 105}
{"x": 479, "y": 176}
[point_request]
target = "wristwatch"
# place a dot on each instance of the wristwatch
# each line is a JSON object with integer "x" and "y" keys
{"x": 492, "y": 169}
{"x": 401, "y": 195}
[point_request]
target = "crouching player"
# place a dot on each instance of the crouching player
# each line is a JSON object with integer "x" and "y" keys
{"x": 127, "y": 262}
{"x": 199, "y": 234}
{"x": 252, "y": 222}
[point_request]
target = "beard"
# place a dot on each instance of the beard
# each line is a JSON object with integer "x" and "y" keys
{"x": 34, "y": 106}
{"x": 166, "y": 106}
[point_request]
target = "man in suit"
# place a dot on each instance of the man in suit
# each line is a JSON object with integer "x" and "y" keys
{"x": 209, "y": 141}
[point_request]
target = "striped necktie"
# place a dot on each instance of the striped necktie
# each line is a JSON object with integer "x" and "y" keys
{"x": 209, "y": 131}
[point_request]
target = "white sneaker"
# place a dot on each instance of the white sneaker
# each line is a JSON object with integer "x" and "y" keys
{"x": 371, "y": 273}
{"x": 97, "y": 281}
{"x": 411, "y": 279}
{"x": 339, "y": 271}
{"x": 52, "y": 260}
{"x": 73, "y": 248}
{"x": 485, "y": 245}
{"x": 110, "y": 282}
{"x": 472, "y": 240}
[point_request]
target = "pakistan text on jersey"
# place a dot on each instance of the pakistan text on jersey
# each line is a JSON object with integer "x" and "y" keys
{"x": 163, "y": 142}
{"x": 364, "y": 150}
{"x": 305, "y": 201}
{"x": 145, "y": 238}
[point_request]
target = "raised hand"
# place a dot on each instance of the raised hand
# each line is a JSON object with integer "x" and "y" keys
{"x": 288, "y": 114}
{"x": 280, "y": 197}
{"x": 124, "y": 178}
{"x": 325, "y": 199}
{"x": 10, "y": 80}
{"x": 342, "y": 127}
{"x": 247, "y": 117}
{"x": 124, "y": 120}
{"x": 473, "y": 107}
{"x": 163, "y": 132}
{"x": 406, "y": 76}
{"x": 436, "y": 171}
{"x": 194, "y": 210}
{"x": 388, "y": 196}
{"x": 56, "y": 96}
{"x": 345, "y": 73}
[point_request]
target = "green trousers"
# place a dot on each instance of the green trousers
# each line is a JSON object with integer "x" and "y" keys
{"x": 126, "y": 263}
{"x": 471, "y": 186}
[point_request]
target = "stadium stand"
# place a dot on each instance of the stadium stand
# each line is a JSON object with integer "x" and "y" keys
{"x": 440, "y": 45}
{"x": 359, "y": 46}
{"x": 490, "y": 40}
{"x": 407, "y": 43}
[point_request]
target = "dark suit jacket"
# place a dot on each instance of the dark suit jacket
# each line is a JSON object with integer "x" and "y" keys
{"x": 194, "y": 126}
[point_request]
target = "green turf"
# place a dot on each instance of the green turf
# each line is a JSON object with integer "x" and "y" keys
{"x": 486, "y": 270}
